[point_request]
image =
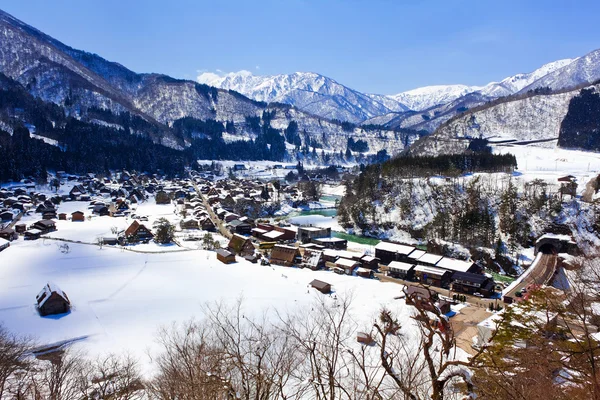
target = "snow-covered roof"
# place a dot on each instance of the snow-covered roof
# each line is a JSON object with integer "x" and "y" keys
{"x": 454, "y": 264}
{"x": 259, "y": 231}
{"x": 416, "y": 254}
{"x": 430, "y": 258}
{"x": 342, "y": 254}
{"x": 430, "y": 270}
{"x": 273, "y": 234}
{"x": 394, "y": 248}
{"x": 399, "y": 266}
{"x": 47, "y": 291}
{"x": 344, "y": 262}
{"x": 3, "y": 242}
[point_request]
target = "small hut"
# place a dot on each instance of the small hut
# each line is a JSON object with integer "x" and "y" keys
{"x": 321, "y": 286}
{"x": 77, "y": 216}
{"x": 51, "y": 300}
{"x": 225, "y": 256}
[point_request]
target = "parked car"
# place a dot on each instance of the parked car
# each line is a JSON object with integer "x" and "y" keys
{"x": 477, "y": 294}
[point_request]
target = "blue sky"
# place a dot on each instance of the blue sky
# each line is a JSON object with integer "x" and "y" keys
{"x": 379, "y": 46}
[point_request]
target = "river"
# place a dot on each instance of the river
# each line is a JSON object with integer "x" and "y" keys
{"x": 327, "y": 217}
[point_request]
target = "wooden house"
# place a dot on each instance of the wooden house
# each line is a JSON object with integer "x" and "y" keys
{"x": 240, "y": 227}
{"x": 6, "y": 216}
{"x": 400, "y": 270}
{"x": 285, "y": 255}
{"x": 225, "y": 256}
{"x": 466, "y": 282}
{"x": 313, "y": 259}
{"x": 321, "y": 286}
{"x": 207, "y": 225}
{"x": 369, "y": 262}
{"x": 45, "y": 225}
{"x": 189, "y": 223}
{"x": 62, "y": 216}
{"x": 307, "y": 233}
{"x": 20, "y": 228}
{"x": 138, "y": 232}
{"x": 332, "y": 243}
{"x": 388, "y": 252}
{"x": 416, "y": 295}
{"x": 240, "y": 245}
{"x": 347, "y": 265}
{"x": 51, "y": 300}
{"x": 77, "y": 216}
{"x": 8, "y": 234}
{"x": 32, "y": 234}
{"x": 433, "y": 276}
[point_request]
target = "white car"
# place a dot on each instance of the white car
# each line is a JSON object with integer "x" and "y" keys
{"x": 477, "y": 294}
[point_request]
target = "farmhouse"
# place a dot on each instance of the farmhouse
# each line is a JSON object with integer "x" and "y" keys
{"x": 284, "y": 255}
{"x": 240, "y": 245}
{"x": 138, "y": 232}
{"x": 51, "y": 300}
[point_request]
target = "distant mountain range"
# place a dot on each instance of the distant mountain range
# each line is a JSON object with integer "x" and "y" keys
{"x": 62, "y": 95}
{"x": 422, "y": 108}
{"x": 95, "y": 91}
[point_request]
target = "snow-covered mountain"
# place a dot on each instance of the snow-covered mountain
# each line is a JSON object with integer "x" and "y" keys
{"x": 533, "y": 118}
{"x": 311, "y": 92}
{"x": 79, "y": 81}
{"x": 430, "y": 96}
{"x": 579, "y": 71}
{"x": 323, "y": 96}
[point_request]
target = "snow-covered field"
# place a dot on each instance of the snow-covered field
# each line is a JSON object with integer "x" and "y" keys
{"x": 121, "y": 298}
{"x": 536, "y": 162}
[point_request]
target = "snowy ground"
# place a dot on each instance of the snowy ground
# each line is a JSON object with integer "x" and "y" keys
{"x": 549, "y": 164}
{"x": 121, "y": 298}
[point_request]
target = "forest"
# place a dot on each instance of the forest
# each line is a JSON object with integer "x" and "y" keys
{"x": 580, "y": 128}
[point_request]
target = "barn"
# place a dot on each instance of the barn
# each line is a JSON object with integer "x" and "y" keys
{"x": 225, "y": 256}
{"x": 77, "y": 216}
{"x": 321, "y": 286}
{"x": 51, "y": 300}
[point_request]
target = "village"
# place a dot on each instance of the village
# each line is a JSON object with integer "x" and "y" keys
{"x": 228, "y": 217}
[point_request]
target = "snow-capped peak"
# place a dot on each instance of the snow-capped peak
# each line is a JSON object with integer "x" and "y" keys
{"x": 309, "y": 91}
{"x": 428, "y": 96}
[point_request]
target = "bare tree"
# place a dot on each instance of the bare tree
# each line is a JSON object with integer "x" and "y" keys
{"x": 13, "y": 361}
{"x": 426, "y": 370}
{"x": 112, "y": 377}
